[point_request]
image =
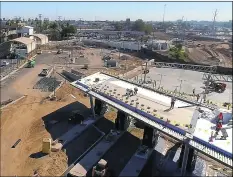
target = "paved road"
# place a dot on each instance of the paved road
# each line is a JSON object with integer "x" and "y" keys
{"x": 25, "y": 78}
{"x": 171, "y": 80}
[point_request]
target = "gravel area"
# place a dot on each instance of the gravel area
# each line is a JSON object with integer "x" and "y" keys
{"x": 47, "y": 84}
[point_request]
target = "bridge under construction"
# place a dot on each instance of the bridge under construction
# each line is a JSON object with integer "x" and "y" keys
{"x": 184, "y": 123}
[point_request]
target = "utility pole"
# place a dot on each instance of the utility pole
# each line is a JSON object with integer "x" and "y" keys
{"x": 54, "y": 81}
{"x": 181, "y": 81}
{"x": 40, "y": 15}
{"x": 145, "y": 72}
{"x": 161, "y": 76}
{"x": 164, "y": 9}
{"x": 214, "y": 20}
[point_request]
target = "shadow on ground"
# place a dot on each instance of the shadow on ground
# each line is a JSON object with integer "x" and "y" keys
{"x": 162, "y": 165}
{"x": 38, "y": 155}
{"x": 119, "y": 155}
{"x": 56, "y": 123}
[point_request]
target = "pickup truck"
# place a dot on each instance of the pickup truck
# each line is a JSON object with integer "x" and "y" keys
{"x": 44, "y": 72}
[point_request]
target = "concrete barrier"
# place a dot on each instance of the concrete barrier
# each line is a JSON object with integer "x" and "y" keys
{"x": 13, "y": 102}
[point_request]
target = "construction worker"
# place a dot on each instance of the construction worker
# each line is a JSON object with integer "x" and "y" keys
{"x": 135, "y": 90}
{"x": 204, "y": 97}
{"x": 219, "y": 122}
{"x": 173, "y": 99}
{"x": 193, "y": 91}
{"x": 218, "y": 127}
{"x": 220, "y": 118}
{"x": 198, "y": 96}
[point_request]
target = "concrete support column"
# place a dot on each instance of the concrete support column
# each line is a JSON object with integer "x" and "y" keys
{"x": 185, "y": 158}
{"x": 92, "y": 106}
{"x": 149, "y": 137}
{"x": 122, "y": 122}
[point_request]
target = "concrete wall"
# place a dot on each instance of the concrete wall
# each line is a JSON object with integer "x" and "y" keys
{"x": 127, "y": 45}
{"x": 31, "y": 47}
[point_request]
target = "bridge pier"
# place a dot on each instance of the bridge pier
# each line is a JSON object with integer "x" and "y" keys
{"x": 92, "y": 106}
{"x": 187, "y": 160}
{"x": 122, "y": 121}
{"x": 150, "y": 137}
{"x": 100, "y": 107}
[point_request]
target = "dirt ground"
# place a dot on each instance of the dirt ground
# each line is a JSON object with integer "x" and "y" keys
{"x": 23, "y": 120}
{"x": 28, "y": 113}
{"x": 213, "y": 53}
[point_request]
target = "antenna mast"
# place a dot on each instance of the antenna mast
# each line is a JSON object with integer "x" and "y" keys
{"x": 214, "y": 20}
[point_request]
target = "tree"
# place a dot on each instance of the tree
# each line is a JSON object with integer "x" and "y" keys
{"x": 53, "y": 26}
{"x": 138, "y": 25}
{"x": 68, "y": 30}
{"x": 148, "y": 28}
{"x": 177, "y": 52}
{"x": 118, "y": 26}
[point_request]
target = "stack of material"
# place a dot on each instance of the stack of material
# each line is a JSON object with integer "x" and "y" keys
{"x": 46, "y": 147}
{"x": 47, "y": 84}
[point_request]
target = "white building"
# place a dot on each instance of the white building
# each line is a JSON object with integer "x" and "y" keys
{"x": 25, "y": 30}
{"x": 159, "y": 44}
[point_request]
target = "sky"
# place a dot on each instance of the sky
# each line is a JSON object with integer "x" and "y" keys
{"x": 148, "y": 11}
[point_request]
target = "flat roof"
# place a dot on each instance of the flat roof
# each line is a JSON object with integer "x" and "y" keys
{"x": 23, "y": 40}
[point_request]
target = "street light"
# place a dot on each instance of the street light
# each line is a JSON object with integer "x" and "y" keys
{"x": 161, "y": 76}
{"x": 181, "y": 81}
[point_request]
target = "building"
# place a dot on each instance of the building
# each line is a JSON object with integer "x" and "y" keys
{"x": 23, "y": 46}
{"x": 159, "y": 44}
{"x": 40, "y": 39}
{"x": 25, "y": 31}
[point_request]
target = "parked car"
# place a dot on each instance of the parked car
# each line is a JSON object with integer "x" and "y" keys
{"x": 44, "y": 72}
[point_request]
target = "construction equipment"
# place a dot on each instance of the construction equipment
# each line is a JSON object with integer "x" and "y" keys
{"x": 31, "y": 63}
{"x": 39, "y": 51}
{"x": 44, "y": 72}
{"x": 217, "y": 86}
{"x": 101, "y": 169}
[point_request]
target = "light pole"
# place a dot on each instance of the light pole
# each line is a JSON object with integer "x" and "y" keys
{"x": 164, "y": 13}
{"x": 181, "y": 81}
{"x": 161, "y": 76}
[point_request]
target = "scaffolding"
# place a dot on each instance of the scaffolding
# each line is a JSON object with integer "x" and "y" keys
{"x": 217, "y": 77}
{"x": 201, "y": 68}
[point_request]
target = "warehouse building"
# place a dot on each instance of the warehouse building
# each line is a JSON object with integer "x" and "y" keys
{"x": 23, "y": 46}
{"x": 40, "y": 39}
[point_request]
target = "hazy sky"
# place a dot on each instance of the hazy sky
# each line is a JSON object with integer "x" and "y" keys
{"x": 119, "y": 10}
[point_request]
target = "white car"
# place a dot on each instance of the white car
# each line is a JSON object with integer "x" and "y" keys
{"x": 5, "y": 63}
